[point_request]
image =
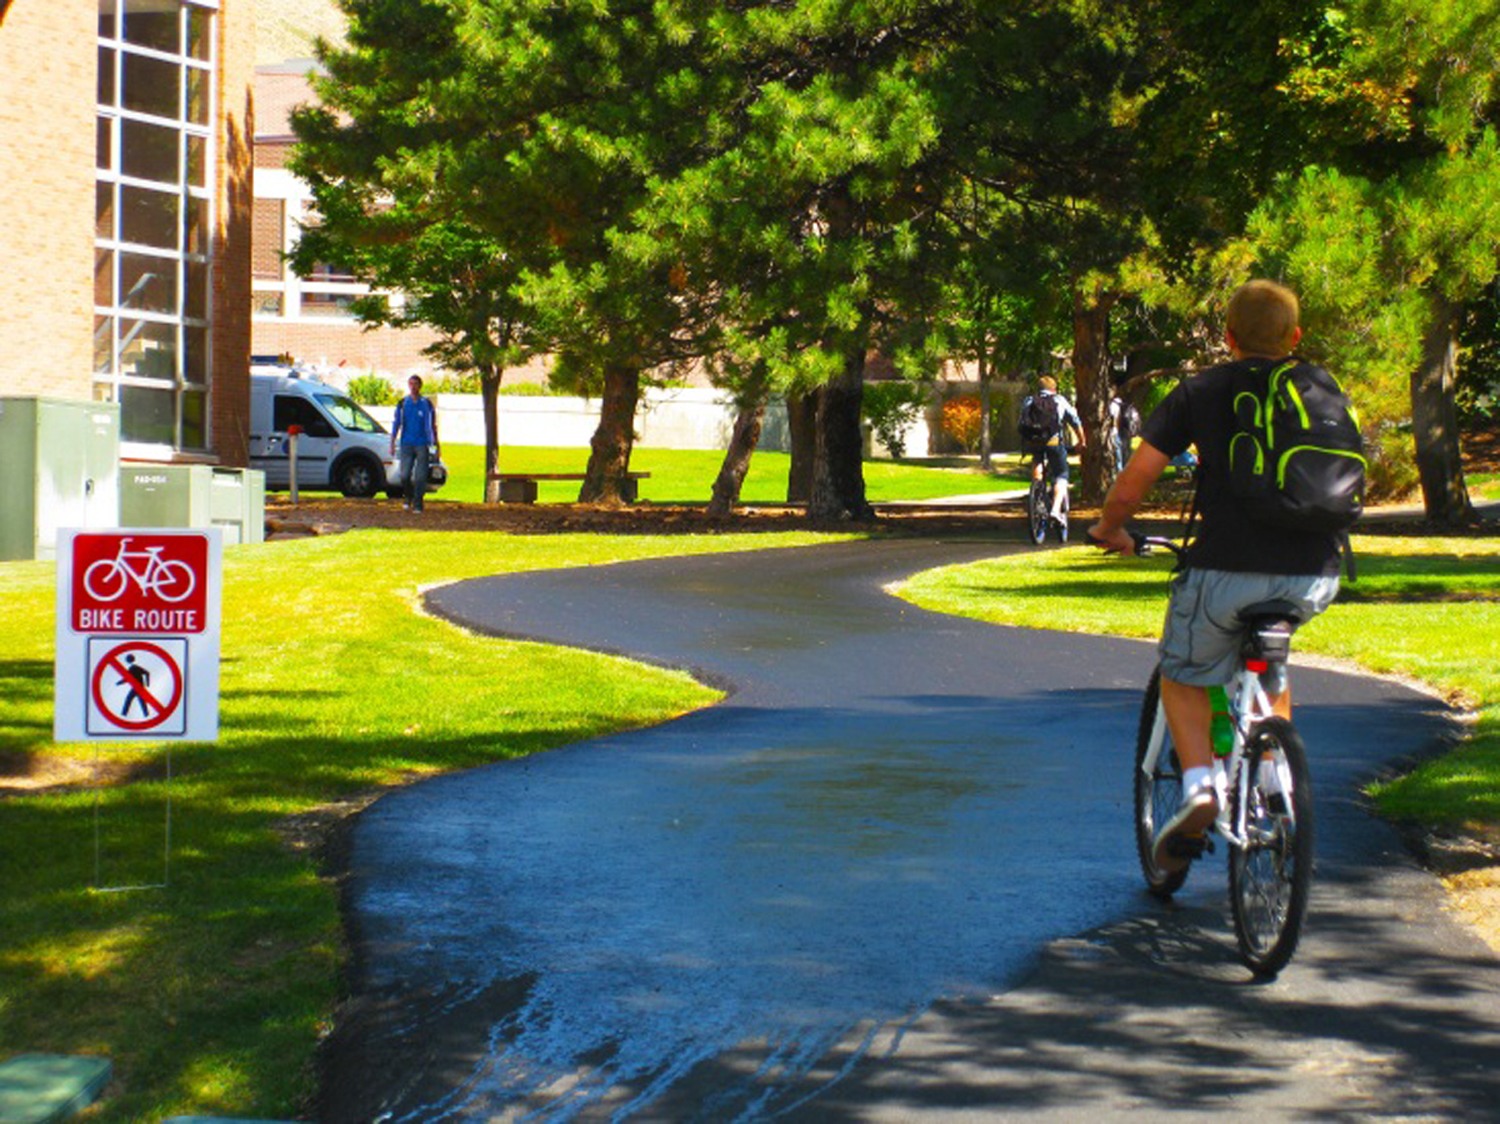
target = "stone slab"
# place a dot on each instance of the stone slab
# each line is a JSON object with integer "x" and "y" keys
{"x": 40, "y": 1088}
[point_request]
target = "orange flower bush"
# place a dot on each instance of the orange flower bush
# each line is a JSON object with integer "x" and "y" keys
{"x": 961, "y": 421}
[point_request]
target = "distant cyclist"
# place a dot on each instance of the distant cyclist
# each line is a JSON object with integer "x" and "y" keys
{"x": 1234, "y": 562}
{"x": 1047, "y": 419}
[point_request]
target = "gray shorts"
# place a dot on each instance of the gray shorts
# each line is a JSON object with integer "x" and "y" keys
{"x": 1200, "y": 644}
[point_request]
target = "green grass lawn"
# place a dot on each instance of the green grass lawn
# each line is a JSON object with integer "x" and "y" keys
{"x": 687, "y": 475}
{"x": 1398, "y": 618}
{"x": 1484, "y": 487}
{"x": 210, "y": 996}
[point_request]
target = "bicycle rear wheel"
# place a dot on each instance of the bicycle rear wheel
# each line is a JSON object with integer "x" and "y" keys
{"x": 1270, "y": 876}
{"x": 1036, "y": 510}
{"x": 1157, "y": 794}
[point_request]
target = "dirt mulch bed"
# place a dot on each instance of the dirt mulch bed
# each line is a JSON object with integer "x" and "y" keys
{"x": 330, "y": 514}
{"x": 1482, "y": 450}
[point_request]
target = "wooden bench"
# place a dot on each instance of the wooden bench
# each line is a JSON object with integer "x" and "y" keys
{"x": 520, "y": 487}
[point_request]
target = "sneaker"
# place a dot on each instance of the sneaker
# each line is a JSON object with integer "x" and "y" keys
{"x": 1181, "y": 841}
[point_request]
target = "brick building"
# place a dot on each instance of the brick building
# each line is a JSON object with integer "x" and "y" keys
{"x": 308, "y": 318}
{"x": 125, "y": 146}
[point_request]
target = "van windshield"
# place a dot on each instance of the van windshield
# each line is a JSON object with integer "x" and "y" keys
{"x": 348, "y": 414}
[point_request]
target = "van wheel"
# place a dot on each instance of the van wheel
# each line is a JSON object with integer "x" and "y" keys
{"x": 357, "y": 478}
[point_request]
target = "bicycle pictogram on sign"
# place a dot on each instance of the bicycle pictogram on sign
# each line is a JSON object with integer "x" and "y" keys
{"x": 136, "y": 686}
{"x": 139, "y": 583}
{"x": 107, "y": 578}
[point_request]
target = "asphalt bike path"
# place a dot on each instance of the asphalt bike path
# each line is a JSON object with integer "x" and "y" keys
{"x": 890, "y": 877}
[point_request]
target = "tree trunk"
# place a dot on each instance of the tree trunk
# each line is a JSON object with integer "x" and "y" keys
{"x": 489, "y": 391}
{"x": 838, "y": 488}
{"x": 609, "y": 451}
{"x": 986, "y": 412}
{"x": 1434, "y": 415}
{"x": 802, "y": 428}
{"x": 1092, "y": 386}
{"x": 742, "y": 442}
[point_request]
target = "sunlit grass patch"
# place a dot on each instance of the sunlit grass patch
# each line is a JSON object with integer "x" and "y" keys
{"x": 687, "y": 475}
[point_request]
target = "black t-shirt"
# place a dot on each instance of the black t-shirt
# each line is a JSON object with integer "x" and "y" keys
{"x": 1200, "y": 412}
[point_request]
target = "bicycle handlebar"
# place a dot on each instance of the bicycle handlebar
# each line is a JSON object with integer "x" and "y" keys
{"x": 1145, "y": 545}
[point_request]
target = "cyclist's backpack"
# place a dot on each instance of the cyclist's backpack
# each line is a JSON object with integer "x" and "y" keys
{"x": 1040, "y": 421}
{"x": 1296, "y": 458}
{"x": 1130, "y": 421}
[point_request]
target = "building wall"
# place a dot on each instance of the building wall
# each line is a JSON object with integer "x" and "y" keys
{"x": 49, "y": 82}
{"x": 230, "y": 397}
{"x": 48, "y": 75}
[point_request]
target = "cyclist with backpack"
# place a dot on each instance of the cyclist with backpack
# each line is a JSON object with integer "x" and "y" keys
{"x": 1125, "y": 426}
{"x": 1046, "y": 420}
{"x": 1281, "y": 478}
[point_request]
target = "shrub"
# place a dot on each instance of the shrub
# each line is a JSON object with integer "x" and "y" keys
{"x": 1393, "y": 467}
{"x": 891, "y": 407}
{"x": 466, "y": 383}
{"x": 372, "y": 390}
{"x": 527, "y": 390}
{"x": 961, "y": 421}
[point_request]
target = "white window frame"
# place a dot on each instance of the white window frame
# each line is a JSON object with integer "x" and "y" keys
{"x": 111, "y": 383}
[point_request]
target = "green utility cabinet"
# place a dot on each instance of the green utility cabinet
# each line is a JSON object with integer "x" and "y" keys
{"x": 59, "y": 467}
{"x": 195, "y": 495}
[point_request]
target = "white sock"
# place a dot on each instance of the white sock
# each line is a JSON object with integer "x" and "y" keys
{"x": 1200, "y": 776}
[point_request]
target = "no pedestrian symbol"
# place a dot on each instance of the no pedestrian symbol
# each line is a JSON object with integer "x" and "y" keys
{"x": 137, "y": 686}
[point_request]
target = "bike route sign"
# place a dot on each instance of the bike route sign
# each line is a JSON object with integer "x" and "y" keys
{"x": 138, "y": 635}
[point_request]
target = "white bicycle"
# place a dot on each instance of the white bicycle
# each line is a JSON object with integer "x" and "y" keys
{"x": 166, "y": 578}
{"x": 1264, "y": 793}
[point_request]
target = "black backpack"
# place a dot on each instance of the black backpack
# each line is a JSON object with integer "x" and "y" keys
{"x": 1296, "y": 458}
{"x": 1130, "y": 421}
{"x": 1040, "y": 420}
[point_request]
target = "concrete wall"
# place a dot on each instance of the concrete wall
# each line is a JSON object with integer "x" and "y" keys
{"x": 667, "y": 419}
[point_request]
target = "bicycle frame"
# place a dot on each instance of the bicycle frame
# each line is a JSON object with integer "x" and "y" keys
{"x": 1249, "y": 705}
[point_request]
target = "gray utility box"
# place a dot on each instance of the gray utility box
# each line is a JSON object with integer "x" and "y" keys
{"x": 59, "y": 465}
{"x": 195, "y": 495}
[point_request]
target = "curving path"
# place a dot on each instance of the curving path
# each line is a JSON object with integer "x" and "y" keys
{"x": 889, "y": 878}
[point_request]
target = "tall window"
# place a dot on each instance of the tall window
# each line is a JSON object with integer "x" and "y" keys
{"x": 155, "y": 217}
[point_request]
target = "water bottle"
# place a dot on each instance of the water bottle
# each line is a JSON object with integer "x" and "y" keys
{"x": 1221, "y": 727}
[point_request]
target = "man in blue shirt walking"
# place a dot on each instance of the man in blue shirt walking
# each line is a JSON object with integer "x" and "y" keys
{"x": 416, "y": 431}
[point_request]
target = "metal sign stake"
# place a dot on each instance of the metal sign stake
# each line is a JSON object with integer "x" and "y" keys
{"x": 166, "y": 858}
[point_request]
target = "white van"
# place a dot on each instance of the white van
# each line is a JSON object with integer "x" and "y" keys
{"x": 341, "y": 448}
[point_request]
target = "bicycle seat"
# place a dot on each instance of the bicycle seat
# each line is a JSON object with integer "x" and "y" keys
{"x": 1268, "y": 630}
{"x": 1271, "y": 612}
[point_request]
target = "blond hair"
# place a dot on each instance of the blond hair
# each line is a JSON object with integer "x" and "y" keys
{"x": 1047, "y": 382}
{"x": 1263, "y": 318}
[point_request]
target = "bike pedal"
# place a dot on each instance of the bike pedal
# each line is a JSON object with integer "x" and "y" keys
{"x": 1188, "y": 847}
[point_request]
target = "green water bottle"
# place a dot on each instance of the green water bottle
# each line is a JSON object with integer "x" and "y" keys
{"x": 1221, "y": 728}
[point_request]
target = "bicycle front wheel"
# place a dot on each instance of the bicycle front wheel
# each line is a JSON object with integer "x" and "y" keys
{"x": 1270, "y": 875}
{"x": 1158, "y": 793}
{"x": 1036, "y": 510}
{"x": 174, "y": 580}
